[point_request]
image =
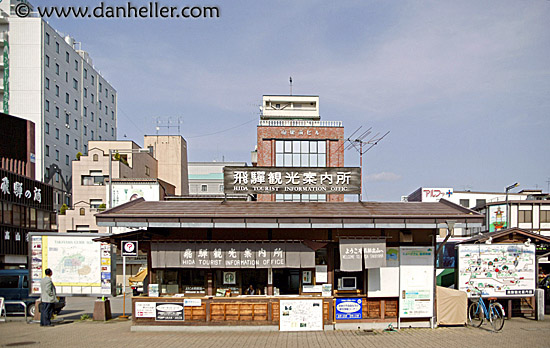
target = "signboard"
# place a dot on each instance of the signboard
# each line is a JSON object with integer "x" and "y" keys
{"x": 374, "y": 253}
{"x": 498, "y": 270}
{"x": 349, "y": 308}
{"x": 80, "y": 266}
{"x": 129, "y": 248}
{"x": 435, "y": 194}
{"x": 126, "y": 192}
{"x": 325, "y": 180}
{"x": 15, "y": 188}
{"x": 416, "y": 282}
{"x": 351, "y": 255}
{"x": 301, "y": 315}
{"x": 192, "y": 302}
{"x": 145, "y": 309}
{"x": 169, "y": 311}
{"x": 497, "y": 217}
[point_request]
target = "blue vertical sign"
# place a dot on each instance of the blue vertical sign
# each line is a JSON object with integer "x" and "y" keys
{"x": 349, "y": 308}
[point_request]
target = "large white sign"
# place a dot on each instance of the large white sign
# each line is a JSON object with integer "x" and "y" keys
{"x": 145, "y": 309}
{"x": 80, "y": 266}
{"x": 435, "y": 194}
{"x": 416, "y": 282}
{"x": 301, "y": 315}
{"x": 123, "y": 192}
{"x": 498, "y": 270}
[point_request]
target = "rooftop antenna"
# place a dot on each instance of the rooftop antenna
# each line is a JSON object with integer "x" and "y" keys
{"x": 291, "y": 85}
{"x": 363, "y": 146}
{"x": 548, "y": 182}
{"x": 169, "y": 123}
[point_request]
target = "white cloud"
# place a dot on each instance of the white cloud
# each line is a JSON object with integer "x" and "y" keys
{"x": 383, "y": 176}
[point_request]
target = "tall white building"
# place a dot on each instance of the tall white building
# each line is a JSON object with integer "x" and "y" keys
{"x": 49, "y": 80}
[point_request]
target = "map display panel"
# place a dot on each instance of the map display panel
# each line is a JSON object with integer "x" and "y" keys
{"x": 498, "y": 270}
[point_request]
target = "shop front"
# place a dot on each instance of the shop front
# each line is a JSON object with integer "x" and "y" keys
{"x": 298, "y": 266}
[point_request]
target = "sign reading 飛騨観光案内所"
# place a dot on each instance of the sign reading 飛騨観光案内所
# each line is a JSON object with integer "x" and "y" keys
{"x": 286, "y": 180}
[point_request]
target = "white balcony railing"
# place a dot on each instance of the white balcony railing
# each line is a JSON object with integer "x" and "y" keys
{"x": 299, "y": 123}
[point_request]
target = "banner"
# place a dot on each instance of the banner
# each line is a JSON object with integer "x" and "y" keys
{"x": 351, "y": 255}
{"x": 374, "y": 253}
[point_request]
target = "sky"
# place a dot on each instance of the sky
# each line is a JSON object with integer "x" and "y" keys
{"x": 462, "y": 86}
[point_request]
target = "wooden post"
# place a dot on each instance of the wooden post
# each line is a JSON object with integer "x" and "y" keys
{"x": 509, "y": 309}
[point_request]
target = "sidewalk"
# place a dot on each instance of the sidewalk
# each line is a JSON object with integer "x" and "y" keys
{"x": 517, "y": 332}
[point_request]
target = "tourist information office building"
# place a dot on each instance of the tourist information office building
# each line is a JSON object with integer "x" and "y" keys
{"x": 216, "y": 250}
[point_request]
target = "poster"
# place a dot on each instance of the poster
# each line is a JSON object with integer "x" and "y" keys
{"x": 169, "y": 311}
{"x": 416, "y": 282}
{"x": 349, "y": 308}
{"x": 321, "y": 274}
{"x": 497, "y": 217}
{"x": 145, "y": 309}
{"x": 153, "y": 290}
{"x": 301, "y": 315}
{"x": 499, "y": 270}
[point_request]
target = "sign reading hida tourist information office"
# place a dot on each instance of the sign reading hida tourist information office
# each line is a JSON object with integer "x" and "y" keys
{"x": 326, "y": 180}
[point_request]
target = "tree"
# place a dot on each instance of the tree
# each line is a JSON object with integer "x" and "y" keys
{"x": 102, "y": 207}
{"x": 78, "y": 155}
{"x": 63, "y": 209}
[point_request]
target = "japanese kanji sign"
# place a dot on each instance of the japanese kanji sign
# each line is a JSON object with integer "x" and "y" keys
{"x": 325, "y": 180}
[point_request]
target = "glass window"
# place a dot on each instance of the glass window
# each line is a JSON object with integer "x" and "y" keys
{"x": 322, "y": 146}
{"x": 47, "y": 61}
{"x": 47, "y": 128}
{"x": 85, "y": 73}
{"x": 85, "y": 129}
{"x": 75, "y": 84}
{"x": 9, "y": 282}
{"x": 92, "y": 98}
{"x": 465, "y": 203}
{"x": 67, "y": 97}
{"x": 204, "y": 188}
{"x": 67, "y": 159}
{"x": 85, "y": 111}
{"x": 47, "y": 106}
{"x": 47, "y": 83}
{"x": 56, "y": 90}
{"x": 67, "y": 56}
{"x": 57, "y": 112}
{"x": 57, "y": 47}
{"x": 57, "y": 133}
{"x": 525, "y": 216}
{"x": 67, "y": 140}
{"x": 57, "y": 69}
{"x": 57, "y": 159}
{"x": 76, "y": 65}
{"x": 47, "y": 39}
{"x": 76, "y": 144}
{"x": 92, "y": 113}
{"x": 85, "y": 92}
{"x": 93, "y": 80}
{"x": 545, "y": 216}
{"x": 76, "y": 104}
{"x": 47, "y": 150}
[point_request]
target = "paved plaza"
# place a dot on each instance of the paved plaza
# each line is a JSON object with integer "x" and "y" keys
{"x": 518, "y": 332}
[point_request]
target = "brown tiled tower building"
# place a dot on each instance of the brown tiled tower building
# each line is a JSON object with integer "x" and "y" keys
{"x": 291, "y": 134}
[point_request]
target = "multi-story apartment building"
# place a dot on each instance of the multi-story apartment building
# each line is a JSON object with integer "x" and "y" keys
{"x": 291, "y": 134}
{"x": 171, "y": 153}
{"x": 50, "y": 81}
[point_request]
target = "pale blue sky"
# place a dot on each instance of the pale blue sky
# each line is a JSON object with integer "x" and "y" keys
{"x": 463, "y": 86}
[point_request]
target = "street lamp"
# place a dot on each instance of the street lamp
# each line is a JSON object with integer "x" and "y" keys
{"x": 124, "y": 151}
{"x": 508, "y": 188}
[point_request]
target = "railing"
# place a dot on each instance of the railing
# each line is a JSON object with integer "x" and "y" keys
{"x": 300, "y": 123}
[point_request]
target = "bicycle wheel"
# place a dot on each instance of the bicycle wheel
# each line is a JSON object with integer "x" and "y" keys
{"x": 475, "y": 314}
{"x": 497, "y": 316}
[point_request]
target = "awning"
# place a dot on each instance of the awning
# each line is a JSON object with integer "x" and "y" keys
{"x": 231, "y": 255}
{"x": 354, "y": 251}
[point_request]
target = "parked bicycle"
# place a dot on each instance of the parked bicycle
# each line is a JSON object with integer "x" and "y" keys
{"x": 478, "y": 312}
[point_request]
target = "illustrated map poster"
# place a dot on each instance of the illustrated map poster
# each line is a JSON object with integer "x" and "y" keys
{"x": 416, "y": 282}
{"x": 498, "y": 270}
{"x": 80, "y": 266}
{"x": 301, "y": 315}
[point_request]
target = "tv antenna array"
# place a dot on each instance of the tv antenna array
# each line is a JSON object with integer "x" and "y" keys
{"x": 169, "y": 123}
{"x": 362, "y": 143}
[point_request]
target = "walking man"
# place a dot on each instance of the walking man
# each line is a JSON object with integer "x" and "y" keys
{"x": 48, "y": 298}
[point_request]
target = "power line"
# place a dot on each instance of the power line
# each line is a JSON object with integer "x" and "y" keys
{"x": 225, "y": 130}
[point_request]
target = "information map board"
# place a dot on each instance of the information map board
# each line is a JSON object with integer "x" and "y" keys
{"x": 498, "y": 270}
{"x": 416, "y": 282}
{"x": 80, "y": 266}
{"x": 301, "y": 315}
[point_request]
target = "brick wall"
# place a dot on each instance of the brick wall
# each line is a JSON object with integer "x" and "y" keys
{"x": 334, "y": 137}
